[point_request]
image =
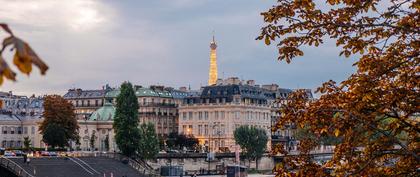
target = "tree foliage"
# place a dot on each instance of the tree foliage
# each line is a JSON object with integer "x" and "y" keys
{"x": 126, "y": 121}
{"x": 24, "y": 56}
{"x": 179, "y": 141}
{"x": 59, "y": 125}
{"x": 253, "y": 141}
{"x": 375, "y": 110}
{"x": 92, "y": 141}
{"x": 302, "y": 134}
{"x": 26, "y": 143}
{"x": 149, "y": 142}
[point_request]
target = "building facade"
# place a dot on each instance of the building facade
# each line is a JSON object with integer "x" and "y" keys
{"x": 86, "y": 102}
{"x": 213, "y": 115}
{"x": 19, "y": 118}
{"x": 157, "y": 105}
{"x": 96, "y": 132}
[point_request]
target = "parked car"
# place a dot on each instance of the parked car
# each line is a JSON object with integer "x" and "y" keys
{"x": 2, "y": 151}
{"x": 45, "y": 153}
{"x": 19, "y": 153}
{"x": 54, "y": 154}
{"x": 9, "y": 154}
{"x": 172, "y": 151}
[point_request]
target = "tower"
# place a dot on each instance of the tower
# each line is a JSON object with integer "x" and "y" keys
{"x": 213, "y": 63}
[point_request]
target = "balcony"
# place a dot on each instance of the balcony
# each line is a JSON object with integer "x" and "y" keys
{"x": 151, "y": 104}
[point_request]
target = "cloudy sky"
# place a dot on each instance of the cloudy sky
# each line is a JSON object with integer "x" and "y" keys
{"x": 88, "y": 43}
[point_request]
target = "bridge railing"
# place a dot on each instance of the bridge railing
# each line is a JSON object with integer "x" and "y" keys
{"x": 142, "y": 168}
{"x": 14, "y": 167}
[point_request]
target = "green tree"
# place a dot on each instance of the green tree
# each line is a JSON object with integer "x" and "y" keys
{"x": 26, "y": 143}
{"x": 59, "y": 126}
{"x": 92, "y": 141}
{"x": 302, "y": 134}
{"x": 127, "y": 134}
{"x": 171, "y": 141}
{"x": 253, "y": 142}
{"x": 191, "y": 142}
{"x": 149, "y": 142}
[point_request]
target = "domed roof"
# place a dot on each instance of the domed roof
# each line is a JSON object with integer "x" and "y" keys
{"x": 105, "y": 113}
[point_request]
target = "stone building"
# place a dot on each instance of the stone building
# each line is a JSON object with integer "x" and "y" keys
{"x": 213, "y": 113}
{"x": 98, "y": 128}
{"x": 19, "y": 118}
{"x": 286, "y": 135}
{"x": 158, "y": 105}
{"x": 86, "y": 102}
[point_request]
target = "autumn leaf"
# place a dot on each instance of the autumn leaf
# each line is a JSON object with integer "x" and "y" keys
{"x": 336, "y": 132}
{"x": 267, "y": 40}
{"x": 384, "y": 43}
{"x": 6, "y": 28}
{"x": 6, "y": 71}
{"x": 23, "y": 58}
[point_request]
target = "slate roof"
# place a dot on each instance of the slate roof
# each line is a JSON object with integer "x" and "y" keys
{"x": 79, "y": 93}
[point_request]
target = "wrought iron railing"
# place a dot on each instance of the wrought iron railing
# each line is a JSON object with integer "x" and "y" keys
{"x": 137, "y": 165}
{"x": 14, "y": 167}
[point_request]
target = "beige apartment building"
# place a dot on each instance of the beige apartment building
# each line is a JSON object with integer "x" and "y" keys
{"x": 86, "y": 102}
{"x": 157, "y": 105}
{"x": 19, "y": 118}
{"x": 213, "y": 114}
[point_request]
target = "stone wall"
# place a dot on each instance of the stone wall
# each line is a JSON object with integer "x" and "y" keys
{"x": 196, "y": 162}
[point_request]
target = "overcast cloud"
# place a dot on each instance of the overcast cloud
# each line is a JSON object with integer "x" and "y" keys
{"x": 88, "y": 43}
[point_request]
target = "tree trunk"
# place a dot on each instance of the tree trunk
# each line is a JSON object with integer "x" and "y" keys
{"x": 256, "y": 164}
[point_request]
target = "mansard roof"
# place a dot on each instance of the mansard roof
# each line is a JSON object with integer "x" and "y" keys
{"x": 79, "y": 93}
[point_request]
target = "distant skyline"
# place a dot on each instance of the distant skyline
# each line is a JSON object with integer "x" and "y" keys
{"x": 89, "y": 43}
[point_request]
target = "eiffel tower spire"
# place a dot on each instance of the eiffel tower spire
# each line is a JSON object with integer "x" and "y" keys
{"x": 213, "y": 63}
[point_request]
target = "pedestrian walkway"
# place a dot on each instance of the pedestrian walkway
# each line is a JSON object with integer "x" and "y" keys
{"x": 80, "y": 167}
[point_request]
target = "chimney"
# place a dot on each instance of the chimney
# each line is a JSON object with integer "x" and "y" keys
{"x": 136, "y": 87}
{"x": 250, "y": 82}
{"x": 183, "y": 89}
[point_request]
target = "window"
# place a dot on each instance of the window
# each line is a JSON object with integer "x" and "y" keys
{"x": 25, "y": 130}
{"x": 216, "y": 115}
{"x": 184, "y": 116}
{"x": 222, "y": 129}
{"x": 184, "y": 129}
{"x": 206, "y": 129}
{"x": 222, "y": 114}
{"x": 32, "y": 130}
{"x": 237, "y": 114}
{"x": 190, "y": 129}
{"x": 19, "y": 130}
{"x": 200, "y": 115}
{"x": 190, "y": 115}
{"x": 200, "y": 127}
{"x": 206, "y": 115}
{"x": 96, "y": 102}
{"x": 12, "y": 130}
{"x": 4, "y": 130}
{"x": 88, "y": 102}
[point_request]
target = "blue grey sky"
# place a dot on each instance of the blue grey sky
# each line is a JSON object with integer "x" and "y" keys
{"x": 88, "y": 43}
